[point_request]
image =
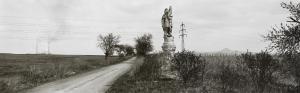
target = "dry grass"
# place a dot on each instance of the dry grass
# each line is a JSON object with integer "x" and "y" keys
{"x": 147, "y": 79}
{"x": 23, "y": 71}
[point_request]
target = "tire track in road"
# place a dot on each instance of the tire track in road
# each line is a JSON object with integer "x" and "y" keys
{"x": 96, "y": 81}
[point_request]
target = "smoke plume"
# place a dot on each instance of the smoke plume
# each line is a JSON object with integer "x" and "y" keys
{"x": 58, "y": 11}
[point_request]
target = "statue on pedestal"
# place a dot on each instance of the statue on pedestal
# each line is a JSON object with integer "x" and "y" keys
{"x": 166, "y": 22}
{"x": 167, "y": 26}
{"x": 168, "y": 46}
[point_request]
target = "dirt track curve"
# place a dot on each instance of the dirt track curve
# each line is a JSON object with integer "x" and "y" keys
{"x": 96, "y": 81}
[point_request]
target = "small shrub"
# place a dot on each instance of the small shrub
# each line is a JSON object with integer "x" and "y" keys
{"x": 189, "y": 66}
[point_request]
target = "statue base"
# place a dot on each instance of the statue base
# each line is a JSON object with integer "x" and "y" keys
{"x": 168, "y": 48}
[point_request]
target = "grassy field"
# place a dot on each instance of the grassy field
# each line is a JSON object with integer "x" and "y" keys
{"x": 145, "y": 80}
{"x": 237, "y": 80}
{"x": 23, "y": 71}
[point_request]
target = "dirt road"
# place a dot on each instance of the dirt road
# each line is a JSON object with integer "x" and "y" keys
{"x": 97, "y": 81}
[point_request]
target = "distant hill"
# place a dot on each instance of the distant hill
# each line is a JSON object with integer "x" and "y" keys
{"x": 228, "y": 51}
{"x": 225, "y": 51}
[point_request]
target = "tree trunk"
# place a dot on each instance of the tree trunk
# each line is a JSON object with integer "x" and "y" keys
{"x": 106, "y": 55}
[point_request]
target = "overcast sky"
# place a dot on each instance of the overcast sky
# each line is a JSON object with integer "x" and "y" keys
{"x": 73, "y": 25}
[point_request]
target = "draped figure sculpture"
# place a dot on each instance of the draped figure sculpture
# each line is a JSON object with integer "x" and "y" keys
{"x": 166, "y": 22}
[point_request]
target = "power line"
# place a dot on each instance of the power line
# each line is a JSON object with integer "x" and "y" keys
{"x": 183, "y": 34}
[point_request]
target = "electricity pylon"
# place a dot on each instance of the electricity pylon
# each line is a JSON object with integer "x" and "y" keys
{"x": 183, "y": 34}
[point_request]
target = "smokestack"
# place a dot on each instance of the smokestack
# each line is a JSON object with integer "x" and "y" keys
{"x": 48, "y": 46}
{"x": 36, "y": 46}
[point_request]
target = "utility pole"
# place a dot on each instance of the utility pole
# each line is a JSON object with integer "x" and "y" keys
{"x": 182, "y": 32}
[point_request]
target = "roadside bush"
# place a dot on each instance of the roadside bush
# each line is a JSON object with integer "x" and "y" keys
{"x": 189, "y": 66}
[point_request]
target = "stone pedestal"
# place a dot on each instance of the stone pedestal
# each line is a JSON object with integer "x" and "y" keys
{"x": 168, "y": 48}
{"x": 168, "y": 45}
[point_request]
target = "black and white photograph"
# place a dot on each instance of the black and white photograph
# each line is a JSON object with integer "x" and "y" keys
{"x": 149, "y": 46}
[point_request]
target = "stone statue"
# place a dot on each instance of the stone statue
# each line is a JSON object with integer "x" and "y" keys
{"x": 168, "y": 46}
{"x": 166, "y": 22}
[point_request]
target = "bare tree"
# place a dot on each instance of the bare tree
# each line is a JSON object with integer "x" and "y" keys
{"x": 107, "y": 43}
{"x": 286, "y": 40}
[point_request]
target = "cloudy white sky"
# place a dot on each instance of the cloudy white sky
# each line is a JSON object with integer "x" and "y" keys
{"x": 73, "y": 25}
